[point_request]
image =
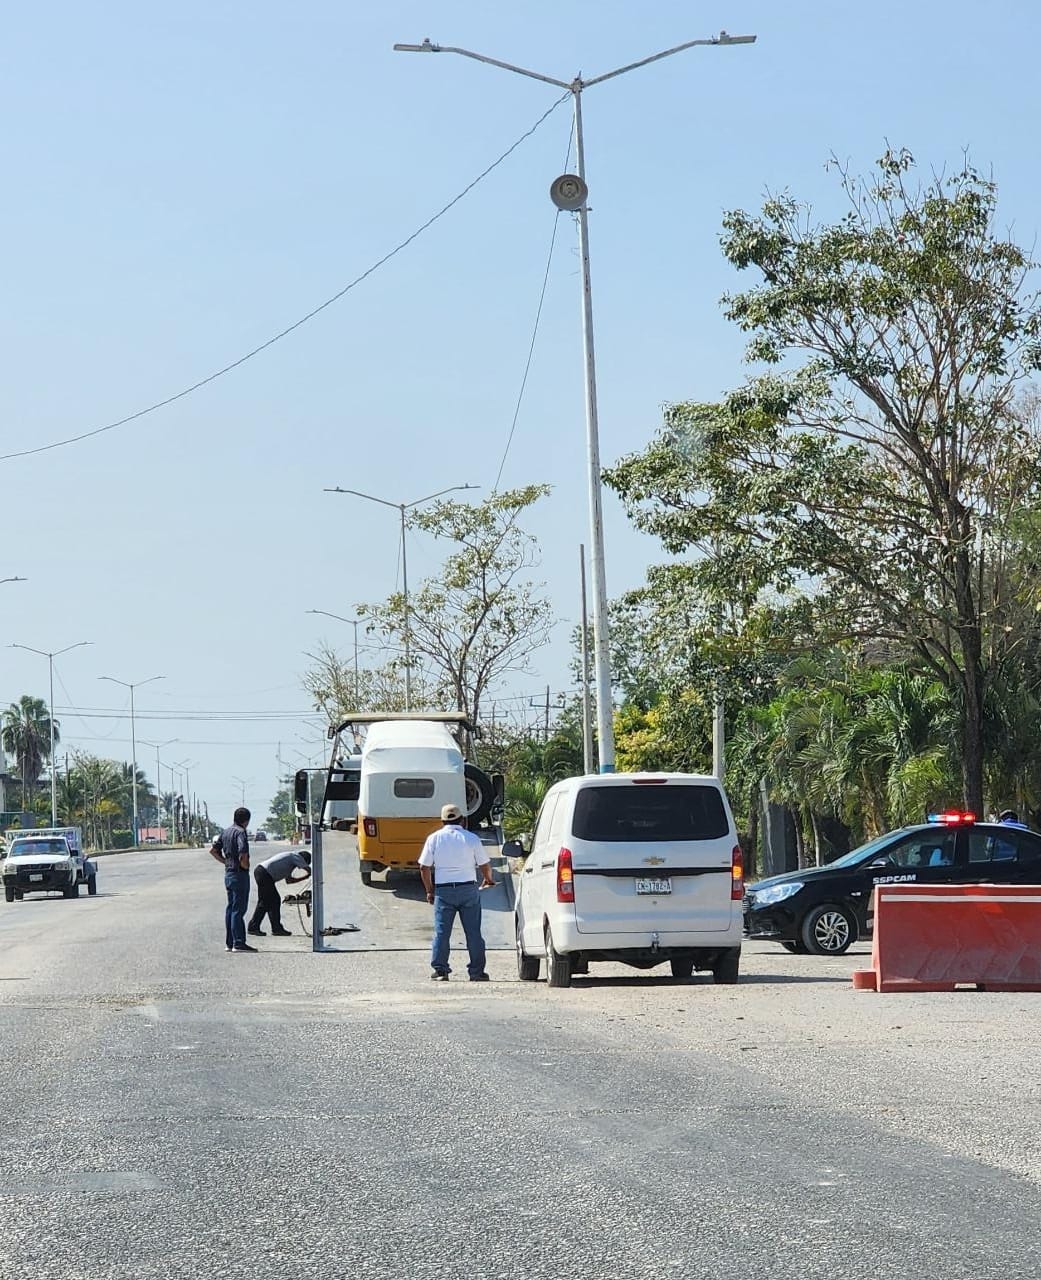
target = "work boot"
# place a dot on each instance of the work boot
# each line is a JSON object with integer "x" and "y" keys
{"x": 281, "y": 933}
{"x": 256, "y": 931}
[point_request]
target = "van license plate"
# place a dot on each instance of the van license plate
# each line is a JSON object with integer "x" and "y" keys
{"x": 36, "y": 877}
{"x": 655, "y": 884}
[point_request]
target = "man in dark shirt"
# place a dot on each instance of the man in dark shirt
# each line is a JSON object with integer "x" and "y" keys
{"x": 232, "y": 848}
{"x": 280, "y": 866}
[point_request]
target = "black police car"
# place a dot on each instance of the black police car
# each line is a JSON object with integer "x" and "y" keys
{"x": 824, "y": 910}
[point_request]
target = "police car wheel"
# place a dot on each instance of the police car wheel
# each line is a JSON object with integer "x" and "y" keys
{"x": 828, "y": 931}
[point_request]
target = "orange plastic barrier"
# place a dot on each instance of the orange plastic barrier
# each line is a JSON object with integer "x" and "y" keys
{"x": 941, "y": 937}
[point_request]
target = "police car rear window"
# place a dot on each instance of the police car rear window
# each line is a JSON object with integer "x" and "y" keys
{"x": 649, "y": 813}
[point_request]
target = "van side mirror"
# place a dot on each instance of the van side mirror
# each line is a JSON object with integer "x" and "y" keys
{"x": 300, "y": 791}
{"x": 513, "y": 849}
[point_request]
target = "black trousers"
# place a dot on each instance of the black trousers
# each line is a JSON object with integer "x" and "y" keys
{"x": 268, "y": 902}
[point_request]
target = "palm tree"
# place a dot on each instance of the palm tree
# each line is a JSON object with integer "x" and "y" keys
{"x": 26, "y": 735}
{"x": 523, "y": 800}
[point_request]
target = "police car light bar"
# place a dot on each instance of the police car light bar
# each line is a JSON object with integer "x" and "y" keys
{"x": 952, "y": 818}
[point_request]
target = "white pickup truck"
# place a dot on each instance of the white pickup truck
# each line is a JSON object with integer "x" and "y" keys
{"x": 46, "y": 860}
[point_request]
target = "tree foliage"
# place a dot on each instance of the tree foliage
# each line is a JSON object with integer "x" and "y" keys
{"x": 880, "y": 471}
{"x": 477, "y": 621}
{"x": 25, "y": 730}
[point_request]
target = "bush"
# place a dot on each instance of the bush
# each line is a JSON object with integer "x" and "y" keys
{"x": 122, "y": 839}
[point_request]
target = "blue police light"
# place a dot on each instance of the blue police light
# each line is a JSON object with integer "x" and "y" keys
{"x": 952, "y": 818}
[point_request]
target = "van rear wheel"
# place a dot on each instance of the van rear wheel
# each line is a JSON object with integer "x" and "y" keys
{"x": 724, "y": 971}
{"x": 558, "y": 967}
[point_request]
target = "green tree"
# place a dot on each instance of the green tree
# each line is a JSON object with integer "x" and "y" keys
{"x": 281, "y": 821}
{"x": 888, "y": 476}
{"x": 336, "y": 690}
{"x": 25, "y": 731}
{"x": 481, "y": 617}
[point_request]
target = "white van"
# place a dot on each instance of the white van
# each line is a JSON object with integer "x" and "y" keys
{"x": 637, "y": 868}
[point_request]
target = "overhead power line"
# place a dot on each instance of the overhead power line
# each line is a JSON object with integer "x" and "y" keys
{"x": 534, "y": 335}
{"x": 283, "y": 333}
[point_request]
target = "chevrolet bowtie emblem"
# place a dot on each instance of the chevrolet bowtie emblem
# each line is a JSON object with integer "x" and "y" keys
{"x": 654, "y": 862}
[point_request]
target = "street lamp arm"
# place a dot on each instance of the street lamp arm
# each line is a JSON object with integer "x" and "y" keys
{"x": 428, "y": 47}
{"x": 440, "y": 493}
{"x": 339, "y": 617}
{"x": 721, "y": 39}
{"x": 358, "y": 494}
{"x": 78, "y": 645}
{"x": 57, "y": 654}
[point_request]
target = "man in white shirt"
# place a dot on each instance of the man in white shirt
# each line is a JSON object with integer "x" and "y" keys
{"x": 450, "y": 863}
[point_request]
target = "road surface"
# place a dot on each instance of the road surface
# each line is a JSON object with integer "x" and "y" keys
{"x": 174, "y": 1111}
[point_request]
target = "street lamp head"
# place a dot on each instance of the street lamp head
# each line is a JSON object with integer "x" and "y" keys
{"x": 425, "y": 47}
{"x": 725, "y": 38}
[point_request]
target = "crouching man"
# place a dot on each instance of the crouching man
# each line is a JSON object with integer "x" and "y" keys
{"x": 280, "y": 866}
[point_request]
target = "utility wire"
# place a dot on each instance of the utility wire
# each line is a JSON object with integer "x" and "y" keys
{"x": 534, "y": 333}
{"x": 531, "y": 353}
{"x": 187, "y": 391}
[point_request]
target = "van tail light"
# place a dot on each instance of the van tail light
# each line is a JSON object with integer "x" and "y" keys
{"x": 737, "y": 874}
{"x": 565, "y": 877}
{"x": 371, "y": 830}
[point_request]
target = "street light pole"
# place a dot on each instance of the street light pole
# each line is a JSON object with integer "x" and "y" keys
{"x": 186, "y": 765}
{"x": 133, "y": 734}
{"x": 50, "y": 671}
{"x": 354, "y": 623}
{"x": 159, "y": 784}
{"x": 601, "y": 637}
{"x": 402, "y": 507}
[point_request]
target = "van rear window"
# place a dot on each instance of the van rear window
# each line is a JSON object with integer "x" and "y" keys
{"x": 664, "y": 812}
{"x": 413, "y": 788}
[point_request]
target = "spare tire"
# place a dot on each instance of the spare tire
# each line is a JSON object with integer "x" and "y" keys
{"x": 480, "y": 795}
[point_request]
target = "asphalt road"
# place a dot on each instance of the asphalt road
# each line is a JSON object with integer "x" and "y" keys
{"x": 171, "y": 1110}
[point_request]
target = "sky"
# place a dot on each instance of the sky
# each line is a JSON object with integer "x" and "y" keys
{"x": 183, "y": 182}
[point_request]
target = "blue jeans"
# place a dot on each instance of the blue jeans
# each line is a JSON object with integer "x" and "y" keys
{"x": 463, "y": 900}
{"x": 237, "y": 885}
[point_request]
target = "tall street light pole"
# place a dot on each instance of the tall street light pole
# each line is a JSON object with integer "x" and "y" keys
{"x": 243, "y": 783}
{"x": 354, "y": 623}
{"x": 186, "y": 765}
{"x": 50, "y": 670}
{"x": 133, "y": 734}
{"x": 159, "y": 783}
{"x": 402, "y": 507}
{"x": 570, "y": 192}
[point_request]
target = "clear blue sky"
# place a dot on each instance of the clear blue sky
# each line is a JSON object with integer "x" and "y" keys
{"x": 181, "y": 182}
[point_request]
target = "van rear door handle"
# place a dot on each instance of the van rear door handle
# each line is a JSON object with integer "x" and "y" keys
{"x": 550, "y": 863}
